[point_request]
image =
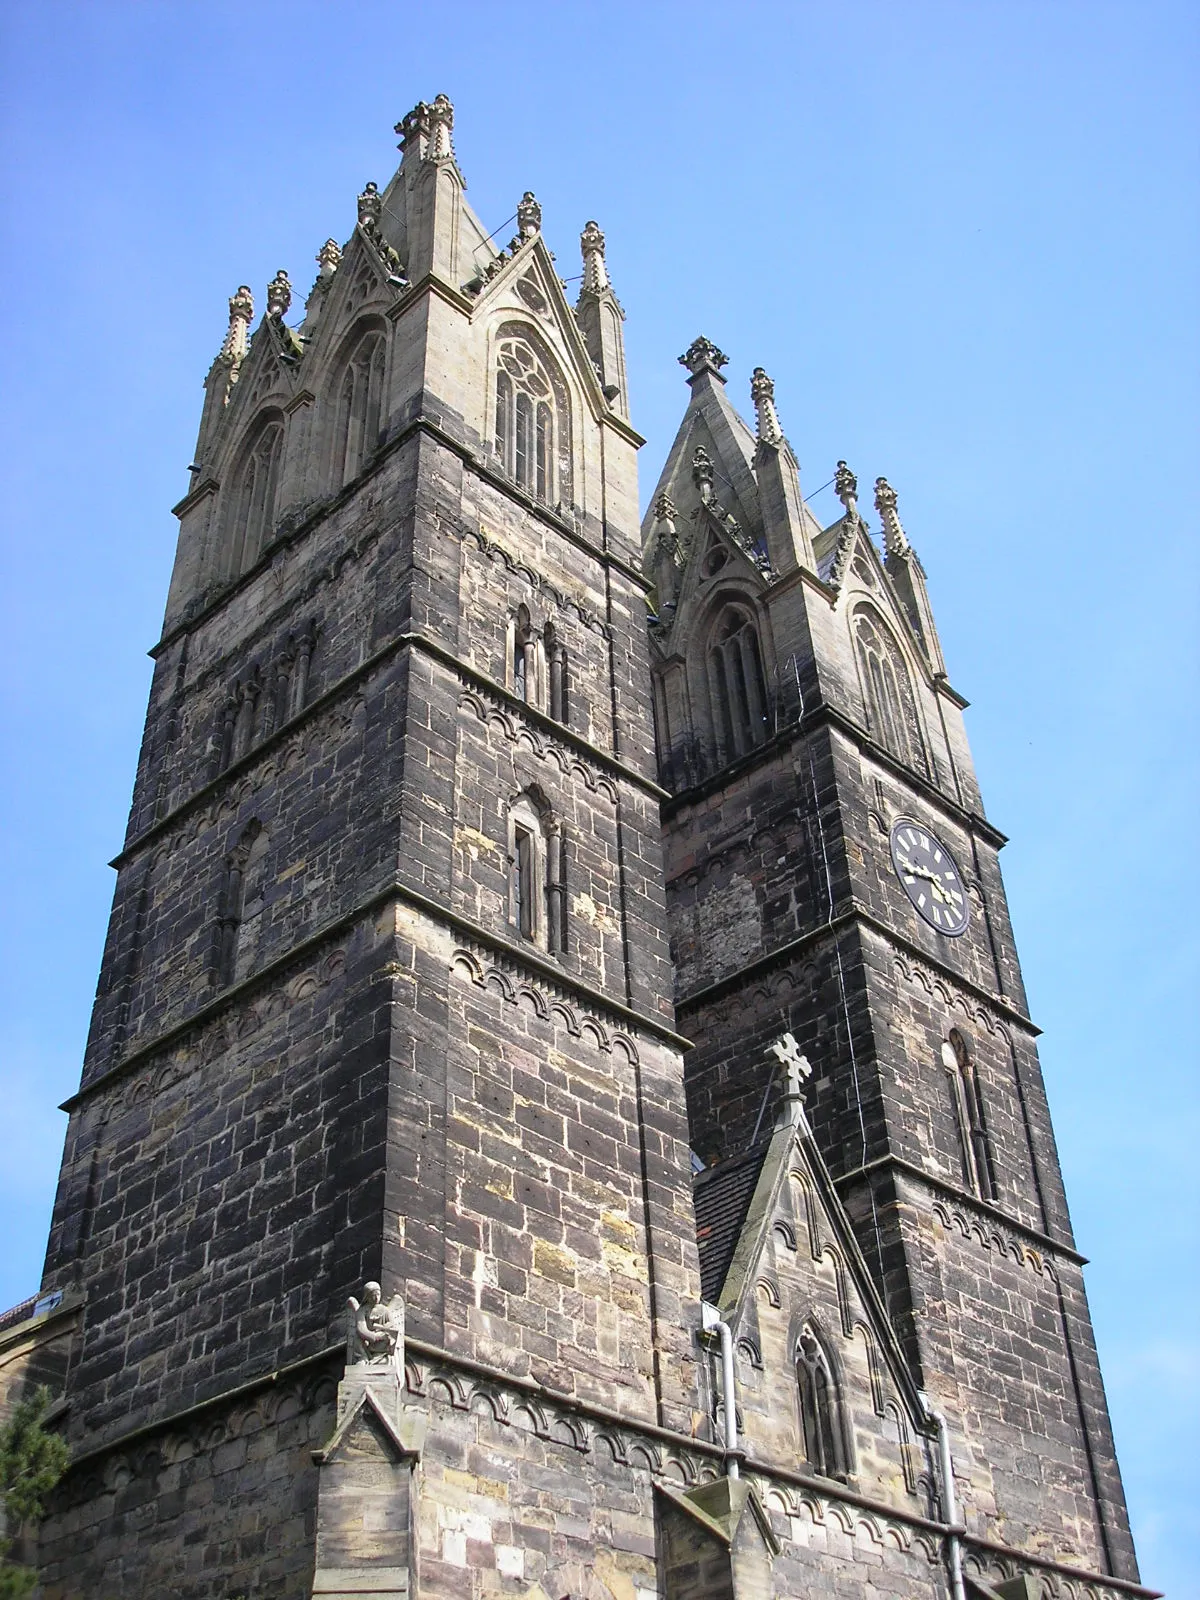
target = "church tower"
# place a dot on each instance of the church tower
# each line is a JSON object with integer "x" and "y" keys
{"x": 831, "y": 874}
{"x": 386, "y": 993}
{"x": 458, "y": 1203}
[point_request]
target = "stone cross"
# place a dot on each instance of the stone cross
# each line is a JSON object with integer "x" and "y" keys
{"x": 787, "y": 1051}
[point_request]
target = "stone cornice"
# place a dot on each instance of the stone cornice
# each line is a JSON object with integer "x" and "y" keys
{"x": 963, "y": 1197}
{"x": 832, "y": 716}
{"x": 521, "y": 956}
{"x": 468, "y": 675}
{"x": 856, "y": 915}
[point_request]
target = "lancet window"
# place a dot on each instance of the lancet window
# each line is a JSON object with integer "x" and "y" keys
{"x": 825, "y": 1446}
{"x": 241, "y": 906}
{"x": 523, "y": 663}
{"x": 537, "y": 888}
{"x": 979, "y": 1170}
{"x": 359, "y": 407}
{"x": 891, "y": 708}
{"x": 530, "y": 419}
{"x": 252, "y": 508}
{"x": 556, "y": 671}
{"x": 736, "y": 684}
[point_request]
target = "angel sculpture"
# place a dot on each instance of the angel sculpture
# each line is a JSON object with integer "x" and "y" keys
{"x": 374, "y": 1331}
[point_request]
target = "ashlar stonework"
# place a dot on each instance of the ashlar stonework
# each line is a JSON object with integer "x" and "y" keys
{"x": 532, "y": 926}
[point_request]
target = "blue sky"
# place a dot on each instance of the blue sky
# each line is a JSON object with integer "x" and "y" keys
{"x": 962, "y": 238}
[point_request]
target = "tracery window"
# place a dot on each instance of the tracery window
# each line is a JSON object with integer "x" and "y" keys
{"x": 529, "y": 426}
{"x": 737, "y": 687}
{"x": 825, "y": 1446}
{"x": 537, "y": 886}
{"x": 252, "y": 507}
{"x": 891, "y": 708}
{"x": 359, "y": 407}
{"x": 979, "y": 1170}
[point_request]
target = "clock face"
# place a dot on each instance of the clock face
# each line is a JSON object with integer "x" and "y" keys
{"x": 930, "y": 878}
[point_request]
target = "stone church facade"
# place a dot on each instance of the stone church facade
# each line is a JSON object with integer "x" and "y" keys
{"x": 561, "y": 1116}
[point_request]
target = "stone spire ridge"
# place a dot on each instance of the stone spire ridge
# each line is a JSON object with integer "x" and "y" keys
{"x": 702, "y": 355}
{"x": 237, "y": 336}
{"x": 279, "y": 295}
{"x": 895, "y": 540}
{"x": 595, "y": 270}
{"x": 529, "y": 217}
{"x": 845, "y": 486}
{"x": 762, "y": 392}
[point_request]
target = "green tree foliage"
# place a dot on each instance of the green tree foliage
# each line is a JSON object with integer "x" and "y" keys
{"x": 31, "y": 1463}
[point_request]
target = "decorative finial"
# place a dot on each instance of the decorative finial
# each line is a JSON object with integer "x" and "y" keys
{"x": 595, "y": 271}
{"x": 895, "y": 540}
{"x": 441, "y": 128}
{"x": 529, "y": 216}
{"x": 664, "y": 509}
{"x": 845, "y": 486}
{"x": 279, "y": 295}
{"x": 370, "y": 208}
{"x": 329, "y": 258}
{"x": 702, "y": 355}
{"x": 241, "y": 313}
{"x": 702, "y": 473}
{"x": 787, "y": 1052}
{"x": 762, "y": 392}
{"x": 414, "y": 131}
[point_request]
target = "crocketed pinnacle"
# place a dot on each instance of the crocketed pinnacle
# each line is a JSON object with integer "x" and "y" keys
{"x": 762, "y": 392}
{"x": 237, "y": 337}
{"x": 279, "y": 295}
{"x": 595, "y": 272}
{"x": 529, "y": 216}
{"x": 895, "y": 540}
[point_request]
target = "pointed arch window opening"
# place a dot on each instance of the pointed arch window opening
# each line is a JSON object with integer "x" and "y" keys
{"x": 537, "y": 892}
{"x": 737, "y": 685}
{"x": 524, "y": 657}
{"x": 359, "y": 408}
{"x": 253, "y": 512}
{"x": 975, "y": 1147}
{"x": 530, "y": 427}
{"x": 823, "y": 1428}
{"x": 891, "y": 704}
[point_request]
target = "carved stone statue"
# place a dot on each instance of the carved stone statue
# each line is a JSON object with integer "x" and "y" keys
{"x": 702, "y": 473}
{"x": 374, "y": 1331}
{"x": 529, "y": 216}
{"x": 279, "y": 294}
{"x": 845, "y": 486}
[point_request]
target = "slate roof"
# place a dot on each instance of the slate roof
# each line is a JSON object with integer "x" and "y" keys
{"x": 722, "y": 1196}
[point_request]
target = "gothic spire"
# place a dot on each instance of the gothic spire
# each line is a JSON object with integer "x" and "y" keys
{"x": 599, "y": 314}
{"x": 762, "y": 392}
{"x": 895, "y": 540}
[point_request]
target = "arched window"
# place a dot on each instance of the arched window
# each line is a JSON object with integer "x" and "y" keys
{"x": 556, "y": 667}
{"x": 537, "y": 885}
{"x": 979, "y": 1170}
{"x": 825, "y": 1447}
{"x": 891, "y": 708}
{"x": 252, "y": 507}
{"x": 359, "y": 408}
{"x": 242, "y": 899}
{"x": 530, "y": 420}
{"x": 522, "y": 656}
{"x": 736, "y": 685}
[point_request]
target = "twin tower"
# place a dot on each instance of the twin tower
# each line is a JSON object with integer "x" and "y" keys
{"x": 581, "y": 946}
